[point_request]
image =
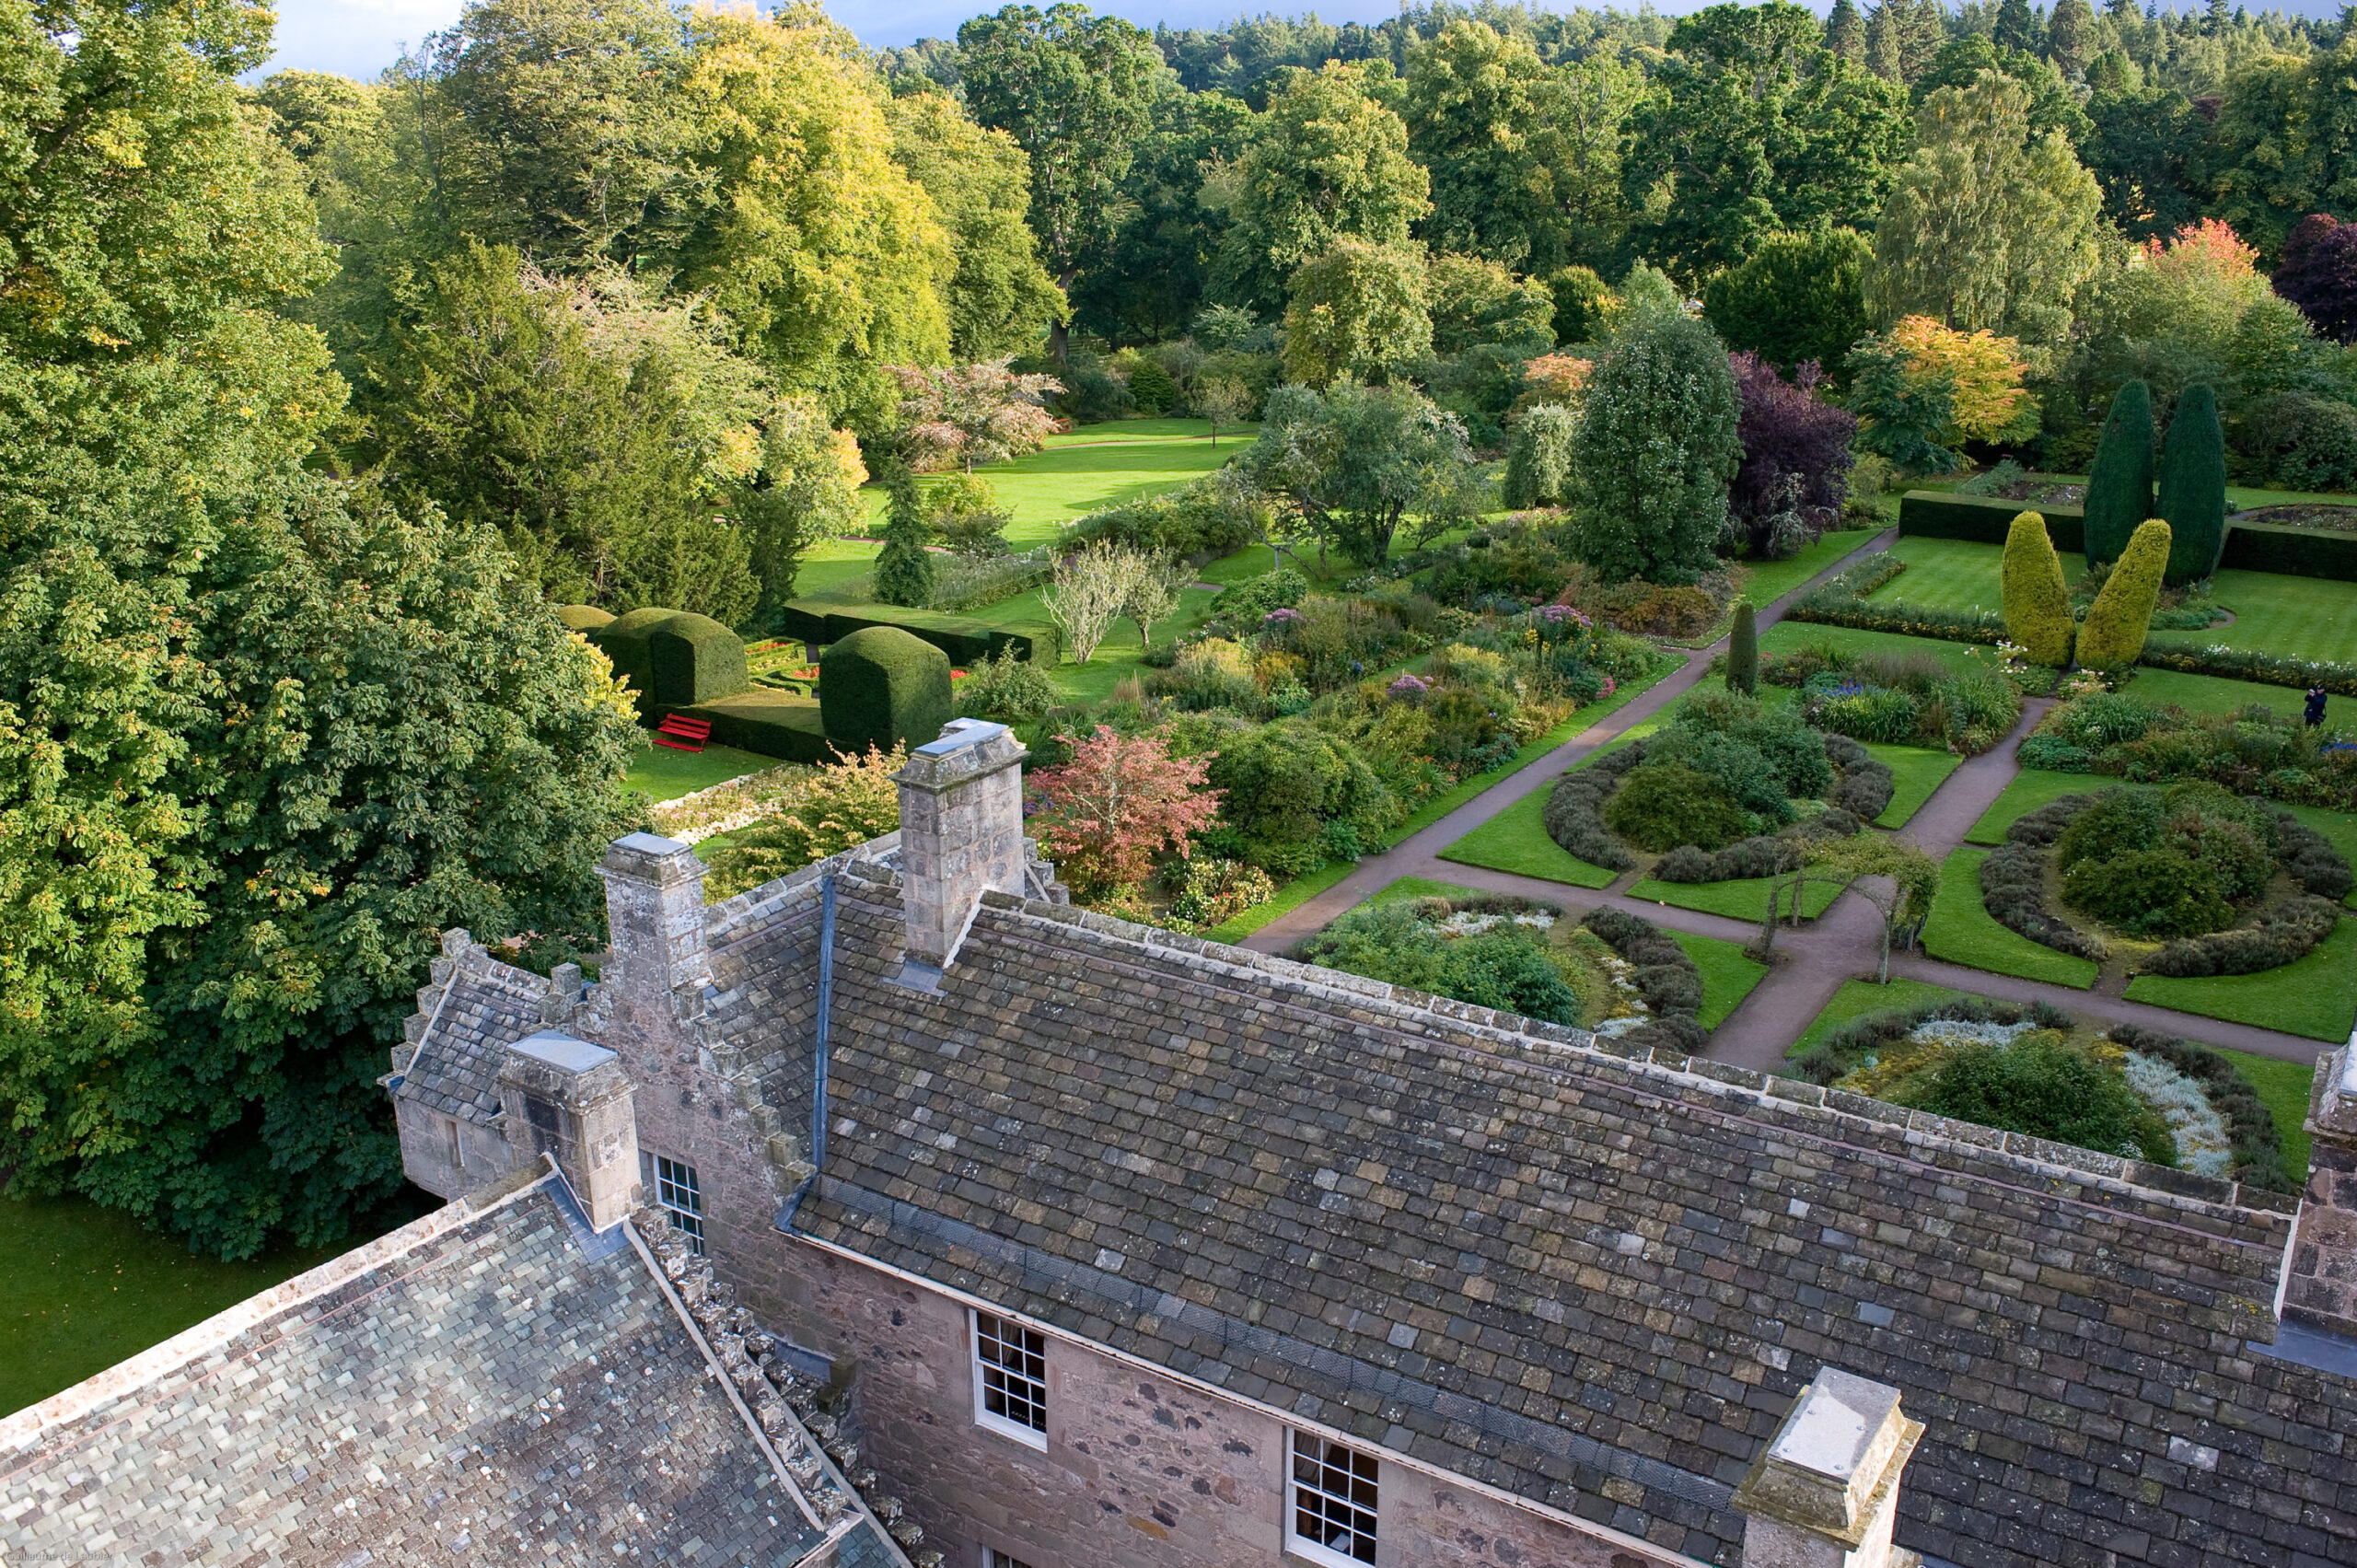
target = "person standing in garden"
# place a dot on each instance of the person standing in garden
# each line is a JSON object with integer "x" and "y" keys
{"x": 2314, "y": 712}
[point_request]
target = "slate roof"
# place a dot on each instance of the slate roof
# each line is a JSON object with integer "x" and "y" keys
{"x": 476, "y": 1387}
{"x": 1593, "y": 1279}
{"x": 476, "y": 1006}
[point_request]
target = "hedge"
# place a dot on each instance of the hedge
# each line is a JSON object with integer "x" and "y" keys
{"x": 2295, "y": 553}
{"x": 627, "y": 641}
{"x": 2247, "y": 664}
{"x": 693, "y": 658}
{"x": 2012, "y": 880}
{"x": 1665, "y": 975}
{"x": 775, "y": 723}
{"x": 1937, "y": 514}
{"x": 2281, "y": 934}
{"x": 882, "y": 687}
{"x": 966, "y": 641}
{"x": 584, "y": 617}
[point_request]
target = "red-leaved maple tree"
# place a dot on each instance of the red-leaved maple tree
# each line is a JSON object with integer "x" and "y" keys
{"x": 1120, "y": 801}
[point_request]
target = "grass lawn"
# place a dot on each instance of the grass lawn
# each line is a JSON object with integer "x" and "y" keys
{"x": 662, "y": 773}
{"x": 1419, "y": 887}
{"x": 1727, "y": 975}
{"x": 1744, "y": 898}
{"x": 1917, "y": 771}
{"x": 2283, "y": 1088}
{"x": 1516, "y": 840}
{"x": 1095, "y": 467}
{"x": 1156, "y": 432}
{"x": 2298, "y": 617}
{"x": 2216, "y": 694}
{"x": 2315, "y": 998}
{"x": 1857, "y": 998}
{"x": 83, "y": 1288}
{"x": 2031, "y": 789}
{"x": 1787, "y": 635}
{"x": 1952, "y": 574}
{"x": 1767, "y": 580}
{"x": 1962, "y": 932}
{"x": 2338, "y": 826}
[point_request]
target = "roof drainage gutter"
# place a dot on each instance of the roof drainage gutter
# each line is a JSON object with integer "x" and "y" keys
{"x": 820, "y": 1053}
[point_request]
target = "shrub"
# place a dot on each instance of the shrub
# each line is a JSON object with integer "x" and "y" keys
{"x": 1212, "y": 892}
{"x": 2037, "y": 603}
{"x": 1743, "y": 650}
{"x": 1867, "y": 714}
{"x": 1505, "y": 966}
{"x": 825, "y": 812}
{"x": 1662, "y": 805}
{"x": 1120, "y": 801}
{"x": 2045, "y": 1090}
{"x": 1203, "y": 517}
{"x": 1213, "y": 673}
{"x": 1574, "y": 816}
{"x": 1247, "y": 602}
{"x": 1011, "y": 690}
{"x": 964, "y": 510}
{"x": 2192, "y": 498}
{"x": 2158, "y": 892}
{"x": 2052, "y": 753}
{"x": 2281, "y": 934}
{"x": 1866, "y": 784}
{"x": 693, "y": 658}
{"x": 1539, "y": 464}
{"x": 2113, "y": 637}
{"x": 2119, "y": 484}
{"x": 1795, "y": 456}
{"x": 1665, "y": 975}
{"x": 2012, "y": 879}
{"x": 626, "y": 640}
{"x": 1296, "y": 798}
{"x": 883, "y": 688}
{"x": 1656, "y": 448}
{"x": 1852, "y": 1042}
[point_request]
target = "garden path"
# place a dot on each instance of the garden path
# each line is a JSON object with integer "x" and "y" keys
{"x": 1815, "y": 960}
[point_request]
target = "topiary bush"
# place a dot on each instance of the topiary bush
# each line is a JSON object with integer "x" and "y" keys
{"x": 883, "y": 688}
{"x": 583, "y": 617}
{"x": 2113, "y": 637}
{"x": 2158, "y": 892}
{"x": 2192, "y": 498}
{"x": 2037, "y": 601}
{"x": 627, "y": 643}
{"x": 693, "y": 658}
{"x": 1743, "y": 650}
{"x": 2045, "y": 1090}
{"x": 2119, "y": 484}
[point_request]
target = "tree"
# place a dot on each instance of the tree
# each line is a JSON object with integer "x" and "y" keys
{"x": 1153, "y": 589}
{"x": 2145, "y": 150}
{"x": 1657, "y": 445}
{"x": 1148, "y": 280}
{"x": 1349, "y": 465}
{"x": 1795, "y": 458}
{"x": 1223, "y": 400}
{"x": 2319, "y": 274}
{"x": 1743, "y": 650}
{"x": 1539, "y": 464}
{"x": 1326, "y": 162}
{"x": 1903, "y": 416}
{"x": 2036, "y": 601}
{"x": 2053, "y": 103}
{"x": 1755, "y": 127}
{"x": 1075, "y": 92}
{"x": 1476, "y": 302}
{"x": 957, "y": 416}
{"x": 2112, "y": 638}
{"x": 1000, "y": 297}
{"x": 1984, "y": 373}
{"x": 1117, "y": 804}
{"x": 1092, "y": 587}
{"x": 1357, "y": 309}
{"x": 903, "y": 567}
{"x": 2071, "y": 36}
{"x": 1990, "y": 228}
{"x": 2279, "y": 149}
{"x": 2119, "y": 484}
{"x": 805, "y": 492}
{"x": 2192, "y": 498}
{"x": 1845, "y": 32}
{"x": 2017, "y": 27}
{"x": 1897, "y": 878}
{"x": 1797, "y": 297}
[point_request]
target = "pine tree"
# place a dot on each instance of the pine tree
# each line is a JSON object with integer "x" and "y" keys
{"x": 2037, "y": 603}
{"x": 903, "y": 570}
{"x": 2120, "y": 485}
{"x": 2193, "y": 487}
{"x": 1845, "y": 31}
{"x": 1887, "y": 41}
{"x": 1743, "y": 650}
{"x": 2017, "y": 27}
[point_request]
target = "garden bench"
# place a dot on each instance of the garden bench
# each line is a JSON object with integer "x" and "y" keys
{"x": 684, "y": 734}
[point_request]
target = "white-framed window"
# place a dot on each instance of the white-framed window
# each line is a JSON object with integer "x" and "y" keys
{"x": 1010, "y": 1379}
{"x": 993, "y": 1558}
{"x": 1332, "y": 1517}
{"x": 677, "y": 1191}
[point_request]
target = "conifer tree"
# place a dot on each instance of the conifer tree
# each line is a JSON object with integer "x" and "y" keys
{"x": 2113, "y": 637}
{"x": 2037, "y": 603}
{"x": 1743, "y": 650}
{"x": 2120, "y": 485}
{"x": 2193, "y": 487}
{"x": 903, "y": 570}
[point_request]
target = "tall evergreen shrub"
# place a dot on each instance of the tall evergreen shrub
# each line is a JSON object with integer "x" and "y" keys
{"x": 2120, "y": 485}
{"x": 2193, "y": 487}
{"x": 1743, "y": 650}
{"x": 903, "y": 570}
{"x": 2114, "y": 635}
{"x": 2037, "y": 601}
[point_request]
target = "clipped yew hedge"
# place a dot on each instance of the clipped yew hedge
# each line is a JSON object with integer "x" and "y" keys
{"x": 1937, "y": 514}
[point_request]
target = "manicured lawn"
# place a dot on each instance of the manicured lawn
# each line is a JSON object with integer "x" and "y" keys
{"x": 1419, "y": 887}
{"x": 1952, "y": 574}
{"x": 1767, "y": 580}
{"x": 2216, "y": 694}
{"x": 1962, "y": 932}
{"x": 83, "y": 1288}
{"x": 1744, "y": 898}
{"x": 2031, "y": 789}
{"x": 1085, "y": 472}
{"x": 1291, "y": 897}
{"x": 1787, "y": 635}
{"x": 2315, "y": 998}
{"x": 2297, "y": 617}
{"x": 1917, "y": 771}
{"x": 661, "y": 773}
{"x": 2283, "y": 1088}
{"x": 1727, "y": 975}
{"x": 1156, "y": 432}
{"x": 1516, "y": 840}
{"x": 1859, "y": 998}
{"x": 2340, "y": 827}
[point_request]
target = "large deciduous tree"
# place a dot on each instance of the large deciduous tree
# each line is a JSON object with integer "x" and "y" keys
{"x": 1657, "y": 445}
{"x": 1000, "y": 299}
{"x": 1351, "y": 464}
{"x": 1358, "y": 310}
{"x": 1756, "y": 127}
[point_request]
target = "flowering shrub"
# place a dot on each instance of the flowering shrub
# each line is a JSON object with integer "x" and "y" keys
{"x": 1408, "y": 688}
{"x": 1119, "y": 802}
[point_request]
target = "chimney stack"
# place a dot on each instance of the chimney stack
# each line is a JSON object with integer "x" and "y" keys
{"x": 568, "y": 1099}
{"x": 962, "y": 834}
{"x": 2319, "y": 1285}
{"x": 655, "y": 921}
{"x": 1824, "y": 1494}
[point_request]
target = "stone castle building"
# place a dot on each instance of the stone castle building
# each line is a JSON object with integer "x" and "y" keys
{"x": 1008, "y": 1235}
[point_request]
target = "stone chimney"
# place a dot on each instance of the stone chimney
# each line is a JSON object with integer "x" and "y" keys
{"x": 962, "y": 834}
{"x": 568, "y": 1099}
{"x": 2319, "y": 1286}
{"x": 653, "y": 918}
{"x": 1824, "y": 1494}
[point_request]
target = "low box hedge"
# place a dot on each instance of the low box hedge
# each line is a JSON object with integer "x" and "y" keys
{"x": 2298, "y": 552}
{"x": 1986, "y": 520}
{"x": 771, "y": 722}
{"x": 966, "y": 641}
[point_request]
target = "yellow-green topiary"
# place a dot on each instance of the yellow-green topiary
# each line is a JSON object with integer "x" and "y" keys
{"x": 2114, "y": 635}
{"x": 2037, "y": 603}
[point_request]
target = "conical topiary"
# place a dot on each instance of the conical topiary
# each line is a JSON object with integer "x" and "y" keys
{"x": 2193, "y": 487}
{"x": 2120, "y": 486}
{"x": 2114, "y": 635}
{"x": 2038, "y": 602}
{"x": 1743, "y": 650}
{"x": 903, "y": 570}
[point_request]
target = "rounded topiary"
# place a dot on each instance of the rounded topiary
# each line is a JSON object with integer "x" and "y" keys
{"x": 2113, "y": 637}
{"x": 693, "y": 658}
{"x": 583, "y": 617}
{"x": 2038, "y": 602}
{"x": 1743, "y": 650}
{"x": 882, "y": 687}
{"x": 2119, "y": 484}
{"x": 627, "y": 641}
{"x": 2193, "y": 487}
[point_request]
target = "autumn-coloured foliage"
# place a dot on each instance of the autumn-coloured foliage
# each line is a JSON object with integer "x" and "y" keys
{"x": 1985, "y": 371}
{"x": 2209, "y": 248}
{"x": 1555, "y": 378}
{"x": 1119, "y": 802}
{"x": 956, "y": 416}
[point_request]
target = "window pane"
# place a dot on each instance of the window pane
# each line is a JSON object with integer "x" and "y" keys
{"x": 1334, "y": 1500}
{"x": 1011, "y": 1363}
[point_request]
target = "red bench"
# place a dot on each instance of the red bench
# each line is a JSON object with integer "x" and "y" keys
{"x": 684, "y": 734}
